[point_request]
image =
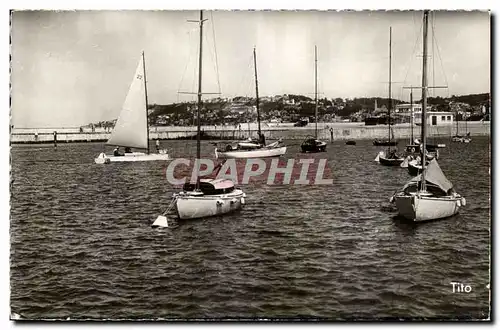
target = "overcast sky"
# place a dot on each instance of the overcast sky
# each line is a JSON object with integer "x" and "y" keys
{"x": 72, "y": 68}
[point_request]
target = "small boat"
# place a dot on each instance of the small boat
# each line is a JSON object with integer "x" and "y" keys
{"x": 132, "y": 128}
{"x": 249, "y": 150}
{"x": 206, "y": 197}
{"x": 311, "y": 144}
{"x": 428, "y": 196}
{"x": 378, "y": 142}
{"x": 351, "y": 143}
{"x": 253, "y": 148}
{"x": 433, "y": 200}
{"x": 391, "y": 158}
{"x": 460, "y": 138}
{"x": 212, "y": 197}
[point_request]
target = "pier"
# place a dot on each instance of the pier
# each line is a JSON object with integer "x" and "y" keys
{"x": 286, "y": 131}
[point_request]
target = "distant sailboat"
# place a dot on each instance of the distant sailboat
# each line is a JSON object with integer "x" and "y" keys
{"x": 391, "y": 157}
{"x": 132, "y": 128}
{"x": 312, "y": 144}
{"x": 430, "y": 195}
{"x": 459, "y": 138}
{"x": 253, "y": 148}
{"x": 206, "y": 197}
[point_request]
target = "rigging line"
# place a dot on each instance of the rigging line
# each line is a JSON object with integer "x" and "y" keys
{"x": 215, "y": 49}
{"x": 440, "y": 60}
{"x": 412, "y": 53}
{"x": 244, "y": 82}
{"x": 193, "y": 84}
{"x": 215, "y": 65}
{"x": 187, "y": 64}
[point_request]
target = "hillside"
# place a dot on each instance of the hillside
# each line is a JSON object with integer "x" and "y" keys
{"x": 289, "y": 108}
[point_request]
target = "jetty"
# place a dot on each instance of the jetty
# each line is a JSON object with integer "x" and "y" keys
{"x": 326, "y": 131}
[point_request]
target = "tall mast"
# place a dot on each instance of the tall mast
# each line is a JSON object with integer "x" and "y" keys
{"x": 316, "y": 90}
{"x": 146, "y": 96}
{"x": 198, "y": 152}
{"x": 424, "y": 97}
{"x": 390, "y": 83}
{"x": 411, "y": 116}
{"x": 256, "y": 89}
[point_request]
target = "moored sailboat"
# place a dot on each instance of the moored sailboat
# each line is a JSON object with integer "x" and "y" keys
{"x": 253, "y": 148}
{"x": 311, "y": 143}
{"x": 430, "y": 195}
{"x": 205, "y": 197}
{"x": 132, "y": 127}
{"x": 391, "y": 157}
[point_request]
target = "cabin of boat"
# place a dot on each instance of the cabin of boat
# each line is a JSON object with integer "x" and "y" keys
{"x": 211, "y": 186}
{"x": 387, "y": 143}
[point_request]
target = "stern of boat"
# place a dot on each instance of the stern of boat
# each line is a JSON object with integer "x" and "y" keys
{"x": 405, "y": 205}
{"x": 102, "y": 159}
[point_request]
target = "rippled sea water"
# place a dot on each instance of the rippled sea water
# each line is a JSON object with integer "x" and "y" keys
{"x": 82, "y": 245}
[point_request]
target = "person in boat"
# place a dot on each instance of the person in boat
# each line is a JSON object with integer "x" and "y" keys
{"x": 127, "y": 150}
{"x": 393, "y": 154}
{"x": 117, "y": 152}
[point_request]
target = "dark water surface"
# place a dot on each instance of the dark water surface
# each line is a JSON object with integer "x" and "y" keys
{"x": 82, "y": 245}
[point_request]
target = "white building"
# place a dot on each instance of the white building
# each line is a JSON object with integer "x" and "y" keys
{"x": 435, "y": 118}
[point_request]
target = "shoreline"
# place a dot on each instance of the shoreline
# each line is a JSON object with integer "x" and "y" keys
{"x": 326, "y": 131}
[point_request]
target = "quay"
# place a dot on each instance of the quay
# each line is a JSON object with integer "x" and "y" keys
{"x": 286, "y": 131}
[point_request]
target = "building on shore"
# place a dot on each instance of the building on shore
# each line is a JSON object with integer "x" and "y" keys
{"x": 435, "y": 118}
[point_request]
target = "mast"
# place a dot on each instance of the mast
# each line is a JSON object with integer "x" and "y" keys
{"x": 411, "y": 116}
{"x": 316, "y": 90}
{"x": 424, "y": 98}
{"x": 146, "y": 95}
{"x": 390, "y": 83}
{"x": 200, "y": 63}
{"x": 256, "y": 89}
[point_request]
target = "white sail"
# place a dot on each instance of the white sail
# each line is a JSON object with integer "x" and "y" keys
{"x": 131, "y": 127}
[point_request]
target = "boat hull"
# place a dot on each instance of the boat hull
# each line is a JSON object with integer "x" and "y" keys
{"x": 256, "y": 153}
{"x": 190, "y": 206}
{"x": 131, "y": 157}
{"x": 425, "y": 208}
{"x": 390, "y": 161}
{"x": 385, "y": 143}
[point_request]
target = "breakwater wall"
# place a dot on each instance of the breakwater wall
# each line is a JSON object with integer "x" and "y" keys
{"x": 332, "y": 131}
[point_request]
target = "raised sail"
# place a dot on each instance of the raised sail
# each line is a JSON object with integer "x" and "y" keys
{"x": 131, "y": 129}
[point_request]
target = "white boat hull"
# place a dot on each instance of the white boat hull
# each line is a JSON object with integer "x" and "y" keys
{"x": 425, "y": 208}
{"x": 131, "y": 157}
{"x": 194, "y": 206}
{"x": 256, "y": 153}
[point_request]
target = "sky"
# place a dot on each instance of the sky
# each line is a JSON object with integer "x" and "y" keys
{"x": 70, "y": 68}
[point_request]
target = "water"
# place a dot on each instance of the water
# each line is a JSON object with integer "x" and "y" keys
{"x": 82, "y": 245}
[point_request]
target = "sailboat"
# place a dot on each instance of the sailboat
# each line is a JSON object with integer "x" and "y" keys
{"x": 206, "y": 197}
{"x": 253, "y": 148}
{"x": 391, "y": 158}
{"x": 430, "y": 195}
{"x": 132, "y": 127}
{"x": 311, "y": 143}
